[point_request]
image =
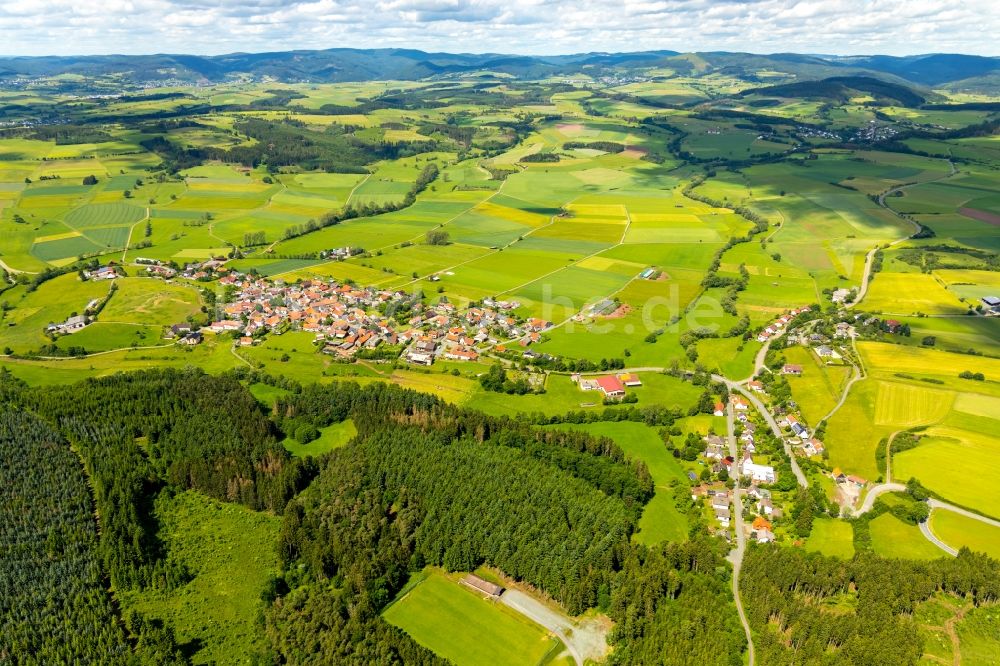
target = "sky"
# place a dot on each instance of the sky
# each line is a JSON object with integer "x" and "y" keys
{"x": 537, "y": 27}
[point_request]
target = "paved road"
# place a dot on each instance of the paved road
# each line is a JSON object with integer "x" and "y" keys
{"x": 582, "y": 641}
{"x": 736, "y": 555}
{"x": 925, "y": 528}
{"x": 938, "y": 504}
{"x": 875, "y": 493}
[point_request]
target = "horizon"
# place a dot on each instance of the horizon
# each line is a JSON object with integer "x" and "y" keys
{"x": 559, "y": 54}
{"x": 54, "y": 28}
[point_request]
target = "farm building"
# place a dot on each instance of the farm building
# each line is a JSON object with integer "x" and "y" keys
{"x": 630, "y": 379}
{"x": 103, "y": 273}
{"x": 792, "y": 369}
{"x": 484, "y": 586}
{"x": 611, "y": 386}
{"x": 71, "y": 325}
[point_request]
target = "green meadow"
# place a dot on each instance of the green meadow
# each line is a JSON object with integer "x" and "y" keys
{"x": 463, "y": 627}
{"x": 228, "y": 549}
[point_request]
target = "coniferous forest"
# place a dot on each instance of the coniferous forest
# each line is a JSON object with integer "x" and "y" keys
{"x": 423, "y": 483}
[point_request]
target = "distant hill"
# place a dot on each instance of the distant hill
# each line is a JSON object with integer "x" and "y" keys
{"x": 339, "y": 64}
{"x": 841, "y": 88}
{"x": 930, "y": 70}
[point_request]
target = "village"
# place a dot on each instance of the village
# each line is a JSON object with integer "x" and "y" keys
{"x": 351, "y": 322}
{"x": 348, "y": 320}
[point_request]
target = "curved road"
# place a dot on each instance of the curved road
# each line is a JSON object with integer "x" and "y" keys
{"x": 938, "y": 504}
{"x": 875, "y": 493}
{"x": 925, "y": 528}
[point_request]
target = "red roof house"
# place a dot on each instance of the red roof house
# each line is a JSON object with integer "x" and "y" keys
{"x": 611, "y": 385}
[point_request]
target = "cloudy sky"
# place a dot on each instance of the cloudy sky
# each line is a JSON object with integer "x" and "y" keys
{"x": 898, "y": 27}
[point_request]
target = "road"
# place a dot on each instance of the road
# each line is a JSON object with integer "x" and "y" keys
{"x": 925, "y": 528}
{"x": 736, "y": 555}
{"x": 14, "y": 271}
{"x": 758, "y": 361}
{"x": 938, "y": 504}
{"x": 762, "y": 409}
{"x": 584, "y": 641}
{"x": 875, "y": 493}
{"x": 843, "y": 396}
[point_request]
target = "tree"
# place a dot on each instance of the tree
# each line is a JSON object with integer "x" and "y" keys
{"x": 436, "y": 237}
{"x": 90, "y": 180}
{"x": 306, "y": 433}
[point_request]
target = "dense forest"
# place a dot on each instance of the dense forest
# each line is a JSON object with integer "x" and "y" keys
{"x": 810, "y": 609}
{"x": 54, "y": 607}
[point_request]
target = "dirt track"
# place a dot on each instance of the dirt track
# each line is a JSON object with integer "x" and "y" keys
{"x": 584, "y": 640}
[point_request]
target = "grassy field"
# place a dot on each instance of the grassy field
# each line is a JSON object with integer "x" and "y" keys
{"x": 977, "y": 634}
{"x": 150, "y": 301}
{"x": 911, "y": 293}
{"x": 949, "y": 460}
{"x": 463, "y": 627}
{"x": 957, "y": 531}
{"x": 891, "y": 537}
{"x": 229, "y": 550}
{"x": 332, "y": 437}
{"x": 820, "y": 386}
{"x": 831, "y": 537}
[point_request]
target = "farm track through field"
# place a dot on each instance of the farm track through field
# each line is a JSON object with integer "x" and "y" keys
{"x": 870, "y": 257}
{"x": 585, "y": 641}
{"x": 857, "y": 375}
{"x": 128, "y": 241}
{"x": 233, "y": 351}
{"x": 13, "y": 271}
{"x": 91, "y": 355}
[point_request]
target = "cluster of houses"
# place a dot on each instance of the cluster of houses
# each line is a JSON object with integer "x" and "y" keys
{"x": 347, "y": 319}
{"x": 612, "y": 386}
{"x": 775, "y": 327}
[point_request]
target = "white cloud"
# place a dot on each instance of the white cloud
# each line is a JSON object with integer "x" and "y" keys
{"x": 43, "y": 27}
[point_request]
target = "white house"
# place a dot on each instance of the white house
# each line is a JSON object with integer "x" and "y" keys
{"x": 760, "y": 473}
